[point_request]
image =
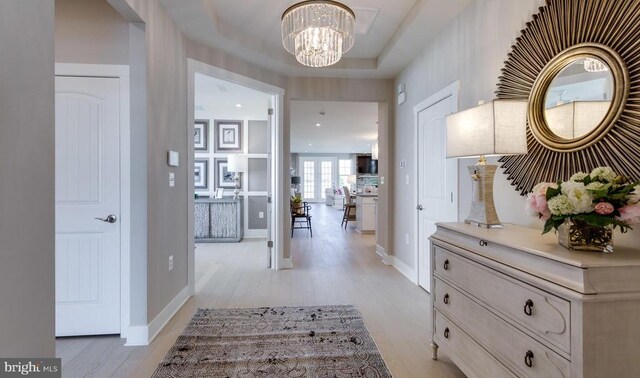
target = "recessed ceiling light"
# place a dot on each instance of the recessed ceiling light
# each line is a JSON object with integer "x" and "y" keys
{"x": 318, "y": 125}
{"x": 309, "y": 144}
{"x": 238, "y": 105}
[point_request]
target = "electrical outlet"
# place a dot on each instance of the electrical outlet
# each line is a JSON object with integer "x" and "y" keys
{"x": 406, "y": 179}
{"x": 406, "y": 239}
{"x": 171, "y": 263}
{"x": 172, "y": 179}
{"x": 261, "y": 215}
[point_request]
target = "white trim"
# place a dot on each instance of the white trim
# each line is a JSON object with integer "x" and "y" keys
{"x": 386, "y": 258}
{"x": 120, "y": 72}
{"x": 286, "y": 263}
{"x": 450, "y": 90}
{"x": 398, "y": 264}
{"x": 144, "y": 335}
{"x": 278, "y": 195}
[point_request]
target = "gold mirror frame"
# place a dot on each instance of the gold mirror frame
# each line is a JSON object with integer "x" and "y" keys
{"x": 561, "y": 31}
{"x": 537, "y": 122}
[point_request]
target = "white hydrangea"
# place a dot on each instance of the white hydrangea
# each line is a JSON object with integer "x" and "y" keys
{"x": 634, "y": 197}
{"x": 604, "y": 173}
{"x": 580, "y": 198}
{"x": 596, "y": 185}
{"x": 561, "y": 205}
{"x": 578, "y": 176}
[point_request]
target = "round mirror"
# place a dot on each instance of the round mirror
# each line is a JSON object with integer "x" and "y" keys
{"x": 578, "y": 98}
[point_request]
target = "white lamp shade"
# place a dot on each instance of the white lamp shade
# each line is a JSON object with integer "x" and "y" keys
{"x": 577, "y": 118}
{"x": 495, "y": 128}
{"x": 237, "y": 163}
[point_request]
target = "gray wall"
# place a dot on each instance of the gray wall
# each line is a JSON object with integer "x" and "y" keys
{"x": 27, "y": 178}
{"x": 472, "y": 49}
{"x": 90, "y": 31}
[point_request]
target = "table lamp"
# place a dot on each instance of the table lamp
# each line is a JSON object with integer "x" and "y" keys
{"x": 495, "y": 128}
{"x": 237, "y": 164}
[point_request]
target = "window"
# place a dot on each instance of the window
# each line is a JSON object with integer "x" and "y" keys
{"x": 326, "y": 175}
{"x": 309, "y": 182}
{"x": 344, "y": 170}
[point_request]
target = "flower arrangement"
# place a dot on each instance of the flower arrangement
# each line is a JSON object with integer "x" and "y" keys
{"x": 601, "y": 199}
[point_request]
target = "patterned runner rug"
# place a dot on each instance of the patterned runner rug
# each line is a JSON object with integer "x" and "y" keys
{"x": 319, "y": 341}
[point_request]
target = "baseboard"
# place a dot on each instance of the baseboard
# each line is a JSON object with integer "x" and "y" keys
{"x": 255, "y": 234}
{"x": 144, "y": 335}
{"x": 286, "y": 263}
{"x": 137, "y": 336}
{"x": 400, "y": 266}
{"x": 404, "y": 269}
{"x": 386, "y": 259}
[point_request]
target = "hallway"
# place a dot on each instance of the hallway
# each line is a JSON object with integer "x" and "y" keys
{"x": 333, "y": 267}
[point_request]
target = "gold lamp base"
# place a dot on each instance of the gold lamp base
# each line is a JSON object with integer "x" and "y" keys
{"x": 483, "y": 211}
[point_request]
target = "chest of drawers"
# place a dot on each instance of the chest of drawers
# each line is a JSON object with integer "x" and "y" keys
{"x": 511, "y": 302}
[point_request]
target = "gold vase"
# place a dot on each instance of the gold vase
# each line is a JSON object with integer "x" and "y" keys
{"x": 581, "y": 236}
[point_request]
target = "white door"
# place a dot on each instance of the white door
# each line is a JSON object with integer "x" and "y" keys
{"x": 318, "y": 174}
{"x": 87, "y": 187}
{"x": 437, "y": 180}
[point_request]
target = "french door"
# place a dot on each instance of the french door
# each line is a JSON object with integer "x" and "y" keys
{"x": 318, "y": 174}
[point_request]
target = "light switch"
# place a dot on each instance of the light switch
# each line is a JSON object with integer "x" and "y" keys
{"x": 172, "y": 179}
{"x": 173, "y": 158}
{"x": 381, "y": 180}
{"x": 406, "y": 179}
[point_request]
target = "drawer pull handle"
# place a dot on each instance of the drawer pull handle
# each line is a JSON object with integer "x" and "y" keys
{"x": 527, "y": 307}
{"x": 446, "y": 333}
{"x": 482, "y": 243}
{"x": 446, "y": 299}
{"x": 528, "y": 358}
{"x": 446, "y": 265}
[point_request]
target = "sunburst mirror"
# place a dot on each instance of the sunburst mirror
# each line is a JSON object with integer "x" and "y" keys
{"x": 578, "y": 64}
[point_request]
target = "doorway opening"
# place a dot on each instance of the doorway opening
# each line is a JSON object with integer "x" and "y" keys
{"x": 334, "y": 169}
{"x": 234, "y": 155}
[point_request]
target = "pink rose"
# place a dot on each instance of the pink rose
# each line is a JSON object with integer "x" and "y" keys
{"x": 541, "y": 188}
{"x": 538, "y": 204}
{"x": 604, "y": 208}
{"x": 630, "y": 214}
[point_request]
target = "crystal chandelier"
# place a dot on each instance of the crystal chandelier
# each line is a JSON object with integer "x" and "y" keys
{"x": 318, "y": 32}
{"x": 594, "y": 65}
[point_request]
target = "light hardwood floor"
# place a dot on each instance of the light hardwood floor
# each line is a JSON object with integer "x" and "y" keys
{"x": 336, "y": 266}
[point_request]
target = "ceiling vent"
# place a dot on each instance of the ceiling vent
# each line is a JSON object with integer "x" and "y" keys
{"x": 365, "y": 18}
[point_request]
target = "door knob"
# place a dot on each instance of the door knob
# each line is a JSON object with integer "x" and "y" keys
{"x": 109, "y": 219}
{"x": 419, "y": 207}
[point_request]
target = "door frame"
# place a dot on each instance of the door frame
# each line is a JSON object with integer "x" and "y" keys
{"x": 450, "y": 90}
{"x": 120, "y": 72}
{"x": 279, "y": 194}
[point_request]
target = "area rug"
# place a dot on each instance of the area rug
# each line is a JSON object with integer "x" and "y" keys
{"x": 319, "y": 341}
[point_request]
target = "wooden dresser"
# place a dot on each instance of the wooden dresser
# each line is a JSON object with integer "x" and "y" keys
{"x": 511, "y": 302}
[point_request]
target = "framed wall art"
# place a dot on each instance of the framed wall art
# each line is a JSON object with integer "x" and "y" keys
{"x": 228, "y": 136}
{"x": 200, "y": 172}
{"x": 201, "y": 135}
{"x": 223, "y": 177}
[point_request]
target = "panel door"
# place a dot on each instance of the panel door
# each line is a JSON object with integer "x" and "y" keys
{"x": 437, "y": 181}
{"x": 87, "y": 187}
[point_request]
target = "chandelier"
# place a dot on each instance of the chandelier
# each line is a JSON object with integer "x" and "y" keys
{"x": 318, "y": 32}
{"x": 594, "y": 65}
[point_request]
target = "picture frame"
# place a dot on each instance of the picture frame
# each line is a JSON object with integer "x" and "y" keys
{"x": 219, "y": 193}
{"x": 201, "y": 174}
{"x": 228, "y": 136}
{"x": 201, "y": 135}
{"x": 223, "y": 177}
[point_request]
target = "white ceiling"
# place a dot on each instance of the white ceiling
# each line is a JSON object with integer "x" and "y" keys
{"x": 250, "y": 30}
{"x": 217, "y": 99}
{"x": 345, "y": 127}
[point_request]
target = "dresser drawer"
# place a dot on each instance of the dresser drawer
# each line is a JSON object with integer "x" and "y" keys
{"x": 544, "y": 314}
{"x": 473, "y": 359}
{"x": 508, "y": 344}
